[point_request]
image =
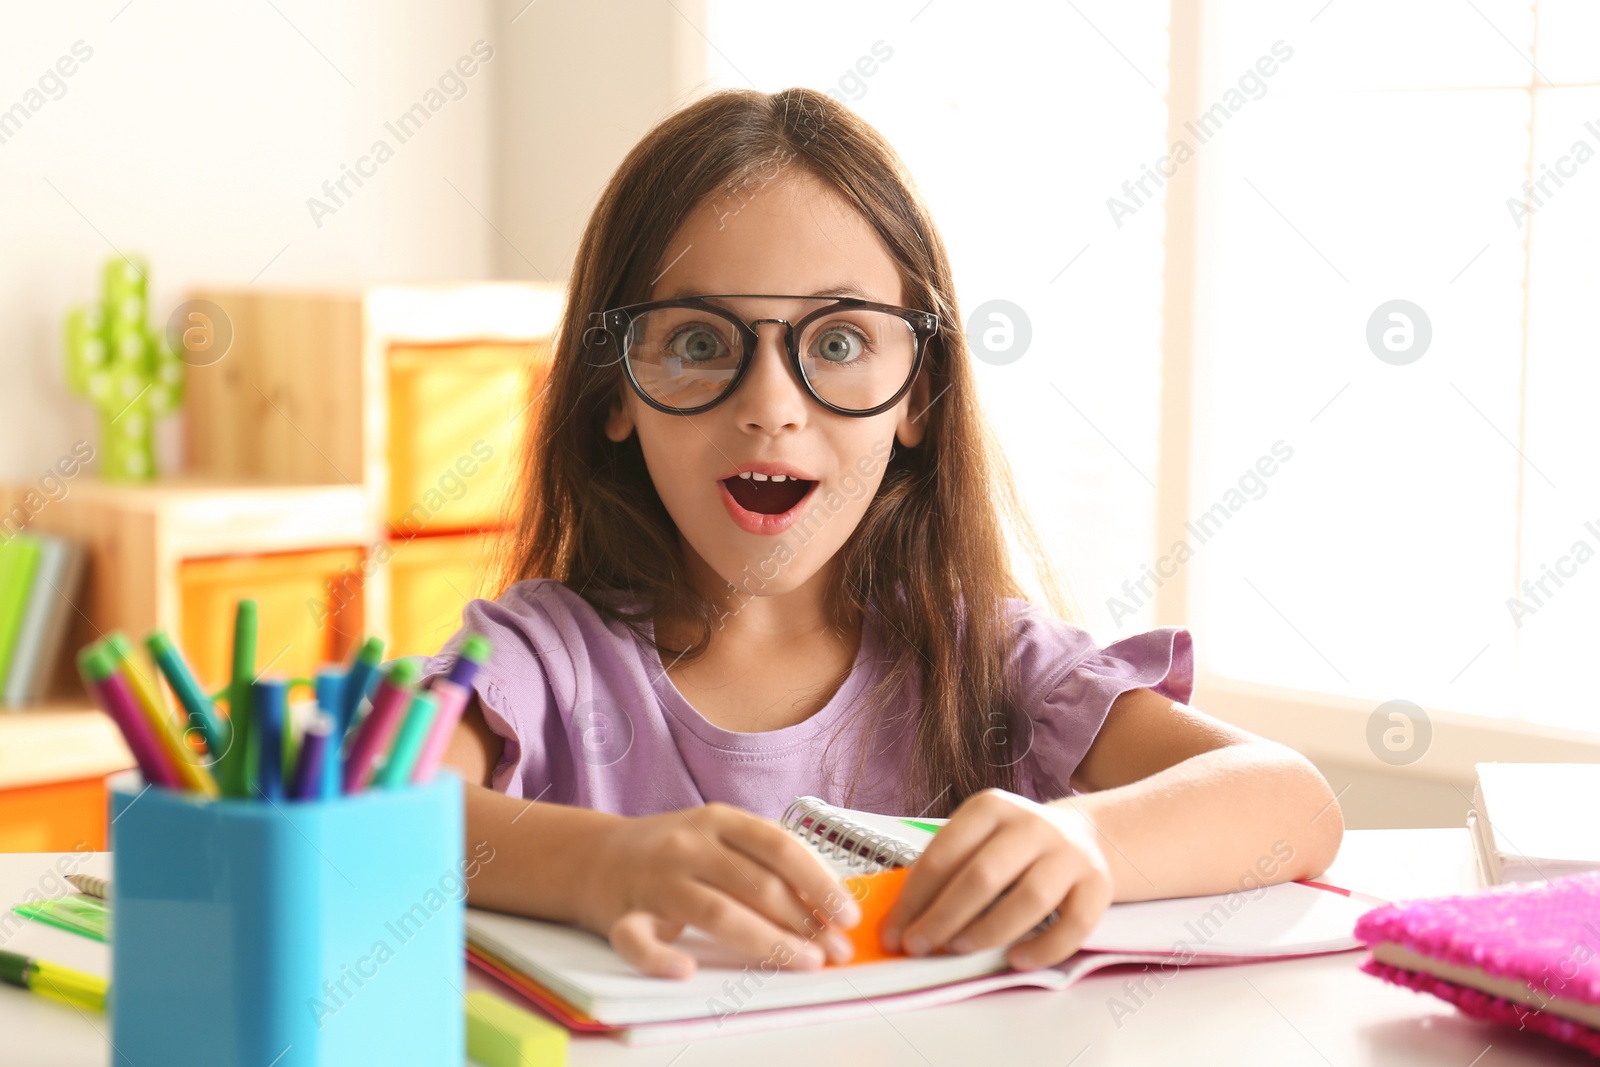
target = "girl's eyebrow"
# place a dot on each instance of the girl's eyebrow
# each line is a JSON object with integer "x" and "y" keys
{"x": 845, "y": 289}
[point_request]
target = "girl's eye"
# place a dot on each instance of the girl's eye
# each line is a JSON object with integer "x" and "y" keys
{"x": 697, "y": 344}
{"x": 840, "y": 344}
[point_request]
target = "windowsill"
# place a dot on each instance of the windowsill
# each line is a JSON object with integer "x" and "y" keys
{"x": 1333, "y": 729}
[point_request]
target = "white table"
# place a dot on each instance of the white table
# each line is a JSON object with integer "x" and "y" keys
{"x": 1320, "y": 1011}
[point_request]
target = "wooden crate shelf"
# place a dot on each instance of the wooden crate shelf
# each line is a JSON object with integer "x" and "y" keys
{"x": 292, "y": 446}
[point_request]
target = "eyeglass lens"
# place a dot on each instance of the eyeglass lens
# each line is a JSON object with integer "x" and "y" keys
{"x": 853, "y": 358}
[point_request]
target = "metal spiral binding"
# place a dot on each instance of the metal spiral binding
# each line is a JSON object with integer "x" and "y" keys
{"x": 858, "y": 847}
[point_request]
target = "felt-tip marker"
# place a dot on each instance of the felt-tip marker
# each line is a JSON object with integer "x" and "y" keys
{"x": 474, "y": 654}
{"x": 372, "y": 737}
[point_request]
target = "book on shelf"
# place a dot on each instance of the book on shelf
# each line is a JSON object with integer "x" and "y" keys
{"x": 40, "y": 576}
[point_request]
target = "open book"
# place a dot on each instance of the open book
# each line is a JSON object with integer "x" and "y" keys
{"x": 576, "y": 977}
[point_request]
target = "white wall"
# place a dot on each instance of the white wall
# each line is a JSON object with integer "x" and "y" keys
{"x": 195, "y": 133}
{"x": 581, "y": 84}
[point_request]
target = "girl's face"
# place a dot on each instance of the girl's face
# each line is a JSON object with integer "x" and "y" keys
{"x": 795, "y": 237}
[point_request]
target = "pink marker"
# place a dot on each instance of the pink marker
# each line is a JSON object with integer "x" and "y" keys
{"x": 452, "y": 701}
{"x": 377, "y": 730}
{"x": 100, "y": 671}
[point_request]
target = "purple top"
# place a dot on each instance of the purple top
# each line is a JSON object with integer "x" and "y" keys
{"x": 590, "y": 718}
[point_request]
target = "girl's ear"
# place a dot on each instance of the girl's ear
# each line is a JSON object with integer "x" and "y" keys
{"x": 913, "y": 424}
{"x": 619, "y": 420}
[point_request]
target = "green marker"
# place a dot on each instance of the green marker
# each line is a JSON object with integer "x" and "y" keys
{"x": 930, "y": 827}
{"x": 396, "y": 770}
{"x": 243, "y": 758}
{"x": 288, "y": 740}
{"x": 202, "y": 716}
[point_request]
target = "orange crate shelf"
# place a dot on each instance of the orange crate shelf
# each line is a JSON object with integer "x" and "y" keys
{"x": 309, "y": 613}
{"x": 456, "y": 414}
{"x": 54, "y": 817}
{"x": 431, "y": 580}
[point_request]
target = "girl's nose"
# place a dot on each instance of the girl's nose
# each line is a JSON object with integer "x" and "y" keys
{"x": 769, "y": 398}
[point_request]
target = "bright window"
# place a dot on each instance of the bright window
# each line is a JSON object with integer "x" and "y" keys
{"x": 1386, "y": 162}
{"x": 1364, "y": 523}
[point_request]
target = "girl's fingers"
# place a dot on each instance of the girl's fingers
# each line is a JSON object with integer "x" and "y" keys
{"x": 1041, "y": 888}
{"x": 1080, "y": 913}
{"x": 642, "y": 939}
{"x": 977, "y": 884}
{"x": 731, "y": 923}
{"x": 950, "y": 848}
{"x": 764, "y": 892}
{"x": 803, "y": 876}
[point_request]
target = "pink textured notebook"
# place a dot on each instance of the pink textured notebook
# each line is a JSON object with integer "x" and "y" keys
{"x": 1526, "y": 955}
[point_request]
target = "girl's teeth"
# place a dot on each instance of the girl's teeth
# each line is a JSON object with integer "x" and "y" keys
{"x": 758, "y": 477}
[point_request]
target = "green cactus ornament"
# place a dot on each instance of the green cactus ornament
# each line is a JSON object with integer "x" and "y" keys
{"x": 125, "y": 369}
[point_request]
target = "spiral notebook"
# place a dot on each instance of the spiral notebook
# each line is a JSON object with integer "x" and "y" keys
{"x": 854, "y": 843}
{"x": 575, "y": 976}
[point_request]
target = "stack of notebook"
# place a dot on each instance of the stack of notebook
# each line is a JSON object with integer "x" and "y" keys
{"x": 39, "y": 578}
{"x": 1535, "y": 821}
{"x": 575, "y": 976}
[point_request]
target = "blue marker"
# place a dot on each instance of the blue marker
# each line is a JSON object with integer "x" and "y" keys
{"x": 330, "y": 687}
{"x": 363, "y": 672}
{"x": 308, "y": 772}
{"x": 270, "y": 711}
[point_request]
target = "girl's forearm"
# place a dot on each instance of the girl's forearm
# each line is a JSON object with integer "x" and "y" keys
{"x": 1230, "y": 819}
{"x": 539, "y": 854}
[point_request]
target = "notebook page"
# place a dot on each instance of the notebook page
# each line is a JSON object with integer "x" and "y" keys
{"x": 582, "y": 969}
{"x": 1280, "y": 920}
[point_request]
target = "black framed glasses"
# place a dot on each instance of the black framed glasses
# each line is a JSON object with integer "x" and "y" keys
{"x": 855, "y": 357}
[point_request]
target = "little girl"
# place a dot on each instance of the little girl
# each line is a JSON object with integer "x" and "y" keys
{"x": 758, "y": 554}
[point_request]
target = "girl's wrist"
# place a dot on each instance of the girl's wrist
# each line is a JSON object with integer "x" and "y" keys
{"x": 591, "y": 873}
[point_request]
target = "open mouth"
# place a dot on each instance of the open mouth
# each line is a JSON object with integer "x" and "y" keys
{"x": 768, "y": 497}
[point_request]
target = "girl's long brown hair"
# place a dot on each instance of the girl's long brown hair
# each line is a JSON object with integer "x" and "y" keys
{"x": 585, "y": 512}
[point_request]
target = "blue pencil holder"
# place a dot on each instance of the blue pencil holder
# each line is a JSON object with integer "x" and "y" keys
{"x": 249, "y": 932}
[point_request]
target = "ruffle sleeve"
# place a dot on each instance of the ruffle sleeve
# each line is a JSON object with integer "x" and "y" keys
{"x": 1069, "y": 684}
{"x": 512, "y": 689}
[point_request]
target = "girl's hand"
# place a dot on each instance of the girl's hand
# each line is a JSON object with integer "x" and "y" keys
{"x": 991, "y": 874}
{"x": 738, "y": 877}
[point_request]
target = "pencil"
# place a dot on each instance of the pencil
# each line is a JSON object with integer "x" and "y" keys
{"x": 91, "y": 885}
